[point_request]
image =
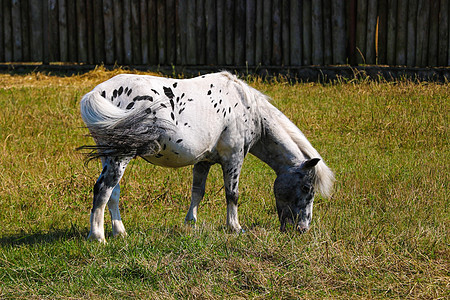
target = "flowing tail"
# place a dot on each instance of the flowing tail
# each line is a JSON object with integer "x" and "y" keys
{"x": 120, "y": 132}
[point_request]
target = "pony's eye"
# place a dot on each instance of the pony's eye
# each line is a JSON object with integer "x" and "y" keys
{"x": 306, "y": 189}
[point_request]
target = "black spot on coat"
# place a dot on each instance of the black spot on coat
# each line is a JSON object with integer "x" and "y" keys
{"x": 168, "y": 92}
{"x": 175, "y": 84}
{"x": 155, "y": 91}
{"x": 130, "y": 105}
{"x": 104, "y": 94}
{"x": 129, "y": 92}
{"x": 120, "y": 90}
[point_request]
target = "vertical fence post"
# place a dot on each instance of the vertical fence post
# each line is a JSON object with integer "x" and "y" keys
{"x": 229, "y": 32}
{"x": 306, "y": 12}
{"x": 259, "y": 32}
{"x": 200, "y": 31}
{"x": 296, "y": 38}
{"x": 391, "y": 33}
{"x": 220, "y": 32}
{"x": 401, "y": 41}
{"x": 433, "y": 41}
{"x": 285, "y": 32}
{"x": 8, "y": 30}
{"x": 108, "y": 28}
{"x": 423, "y": 13}
{"x": 211, "y": 32}
{"x": 317, "y": 32}
{"x": 371, "y": 31}
{"x": 276, "y": 33}
{"x": 411, "y": 33}
{"x": 118, "y": 32}
{"x": 239, "y": 33}
{"x": 361, "y": 31}
{"x": 338, "y": 31}
{"x": 16, "y": 30}
{"x": 152, "y": 32}
{"x": 250, "y": 39}
{"x": 443, "y": 33}
{"x": 327, "y": 33}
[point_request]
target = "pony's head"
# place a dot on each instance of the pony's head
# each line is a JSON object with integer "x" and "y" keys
{"x": 294, "y": 194}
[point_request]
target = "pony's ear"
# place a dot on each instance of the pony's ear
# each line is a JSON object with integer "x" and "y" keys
{"x": 310, "y": 163}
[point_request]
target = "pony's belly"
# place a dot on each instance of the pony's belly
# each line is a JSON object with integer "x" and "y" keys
{"x": 177, "y": 157}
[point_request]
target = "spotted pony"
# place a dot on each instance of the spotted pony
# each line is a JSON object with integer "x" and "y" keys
{"x": 202, "y": 121}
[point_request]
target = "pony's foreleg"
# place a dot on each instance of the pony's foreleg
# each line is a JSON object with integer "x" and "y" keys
{"x": 113, "y": 204}
{"x": 231, "y": 171}
{"x": 200, "y": 173}
{"x": 109, "y": 178}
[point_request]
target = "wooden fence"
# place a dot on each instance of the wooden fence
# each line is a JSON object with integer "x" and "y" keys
{"x": 226, "y": 32}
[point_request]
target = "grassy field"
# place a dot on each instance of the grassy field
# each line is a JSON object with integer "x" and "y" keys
{"x": 383, "y": 234}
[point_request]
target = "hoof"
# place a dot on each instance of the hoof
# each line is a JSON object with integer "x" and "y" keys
{"x": 100, "y": 239}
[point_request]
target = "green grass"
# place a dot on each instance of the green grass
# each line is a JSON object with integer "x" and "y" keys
{"x": 383, "y": 234}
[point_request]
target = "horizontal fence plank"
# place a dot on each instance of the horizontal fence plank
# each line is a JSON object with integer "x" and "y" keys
{"x": 226, "y": 32}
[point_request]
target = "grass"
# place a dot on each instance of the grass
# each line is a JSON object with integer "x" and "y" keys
{"x": 383, "y": 234}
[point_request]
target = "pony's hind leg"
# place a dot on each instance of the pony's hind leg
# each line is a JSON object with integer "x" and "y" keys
{"x": 113, "y": 204}
{"x": 231, "y": 171}
{"x": 200, "y": 173}
{"x": 113, "y": 170}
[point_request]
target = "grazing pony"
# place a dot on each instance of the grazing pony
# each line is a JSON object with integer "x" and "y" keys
{"x": 214, "y": 118}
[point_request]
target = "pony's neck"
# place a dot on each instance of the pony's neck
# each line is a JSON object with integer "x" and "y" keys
{"x": 276, "y": 147}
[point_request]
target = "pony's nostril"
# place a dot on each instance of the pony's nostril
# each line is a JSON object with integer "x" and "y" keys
{"x": 302, "y": 228}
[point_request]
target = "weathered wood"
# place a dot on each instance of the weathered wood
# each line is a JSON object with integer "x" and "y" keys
{"x": 170, "y": 32}
{"x": 72, "y": 45}
{"x": 191, "y": 42}
{"x": 371, "y": 32}
{"x": 276, "y": 33}
{"x": 7, "y": 30}
{"x": 16, "y": 30}
{"x": 91, "y": 30}
{"x": 402, "y": 32}
{"x": 259, "y": 32}
{"x": 81, "y": 31}
{"x": 327, "y": 43}
{"x": 152, "y": 33}
{"x": 433, "y": 34}
{"x": 220, "y": 32}
{"x": 239, "y": 33}
{"x": 317, "y": 33}
{"x": 267, "y": 33}
{"x": 45, "y": 40}
{"x": 25, "y": 20}
{"x": 127, "y": 42}
{"x": 144, "y": 31}
{"x": 118, "y": 32}
{"x": 295, "y": 33}
{"x": 307, "y": 48}
{"x": 211, "y": 32}
{"x": 411, "y": 33}
{"x": 161, "y": 11}
{"x": 200, "y": 31}
{"x": 181, "y": 32}
{"x": 443, "y": 33}
{"x": 229, "y": 32}
{"x": 250, "y": 39}
{"x": 108, "y": 25}
{"x": 338, "y": 31}
{"x": 136, "y": 32}
{"x": 361, "y": 31}
{"x": 99, "y": 29}
{"x": 37, "y": 53}
{"x": 2, "y": 49}
{"x": 285, "y": 35}
{"x": 423, "y": 14}
{"x": 391, "y": 33}
{"x": 382, "y": 32}
{"x": 62, "y": 25}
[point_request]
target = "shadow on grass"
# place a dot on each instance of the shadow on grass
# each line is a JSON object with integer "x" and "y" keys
{"x": 44, "y": 237}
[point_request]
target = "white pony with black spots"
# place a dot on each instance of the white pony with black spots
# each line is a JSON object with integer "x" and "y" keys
{"x": 202, "y": 121}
